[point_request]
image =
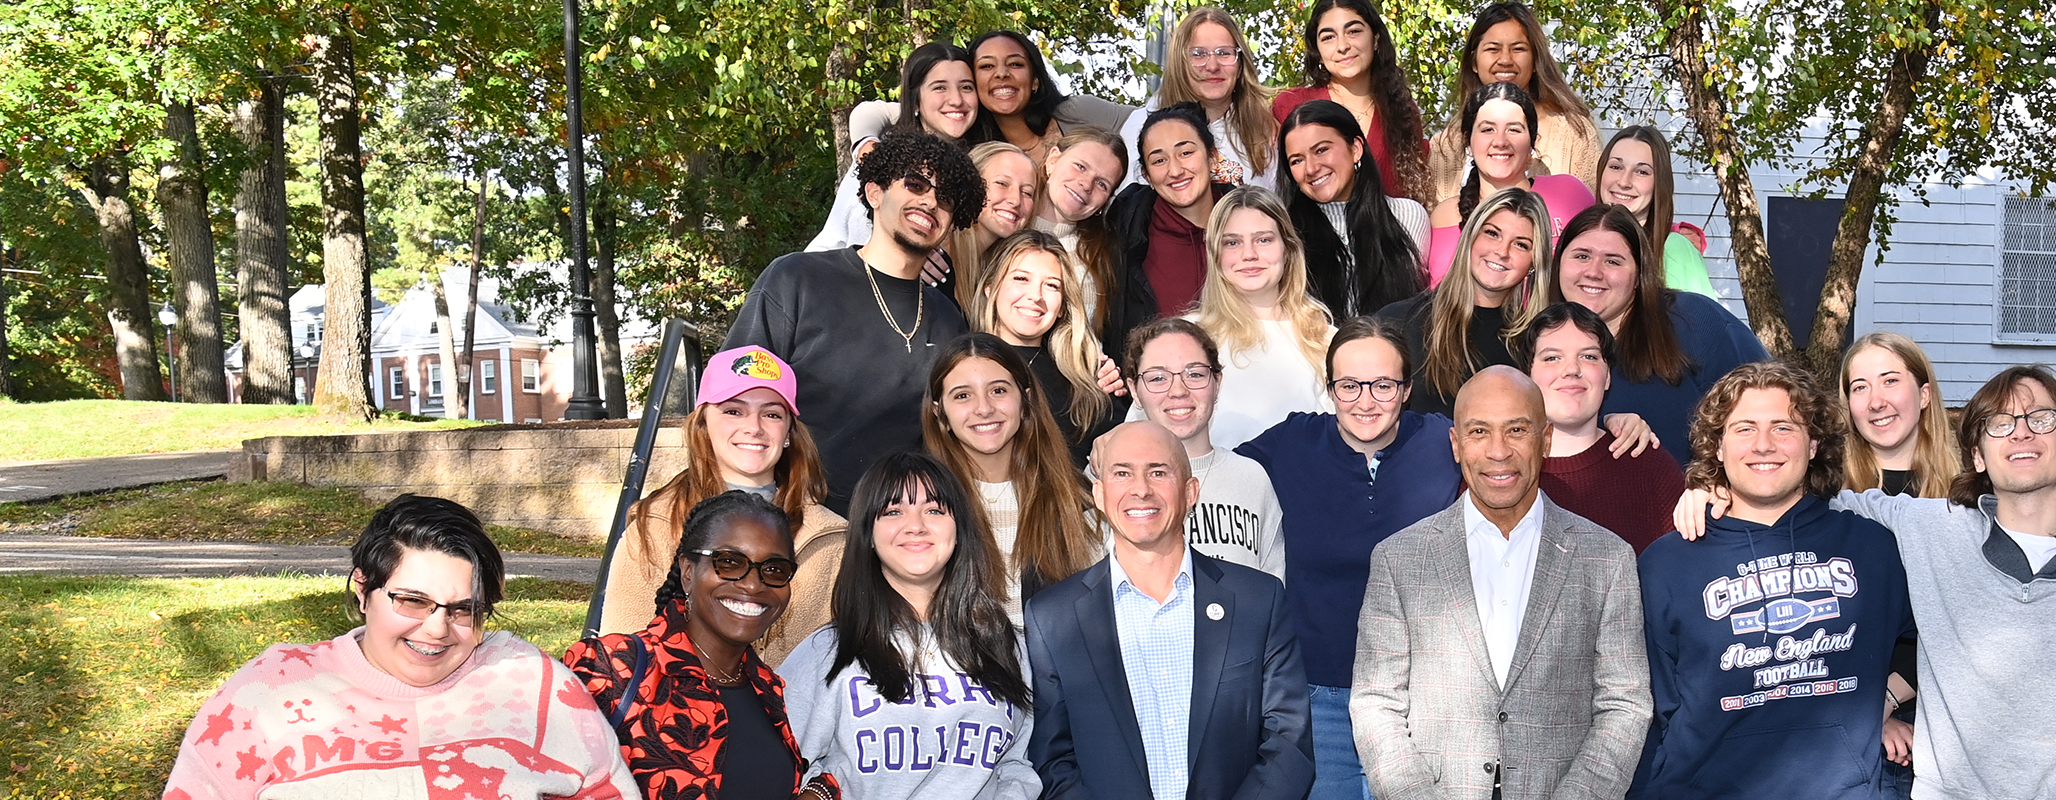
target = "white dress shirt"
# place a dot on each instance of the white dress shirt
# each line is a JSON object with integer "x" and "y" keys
{"x": 1502, "y": 570}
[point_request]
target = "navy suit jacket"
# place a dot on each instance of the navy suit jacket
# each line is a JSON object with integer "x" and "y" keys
{"x": 1250, "y": 733}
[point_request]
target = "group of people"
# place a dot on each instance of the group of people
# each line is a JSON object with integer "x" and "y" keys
{"x": 1198, "y": 489}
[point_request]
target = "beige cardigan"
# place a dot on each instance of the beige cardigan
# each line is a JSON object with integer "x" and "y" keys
{"x": 1563, "y": 148}
{"x": 636, "y": 574}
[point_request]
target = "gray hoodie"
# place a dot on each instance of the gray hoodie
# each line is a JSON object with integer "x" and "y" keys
{"x": 1986, "y": 723}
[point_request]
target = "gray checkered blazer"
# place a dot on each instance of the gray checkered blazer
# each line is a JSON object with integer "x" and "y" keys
{"x": 1429, "y": 716}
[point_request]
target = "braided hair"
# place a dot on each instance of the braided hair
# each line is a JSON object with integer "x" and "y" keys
{"x": 1467, "y": 200}
{"x": 711, "y": 514}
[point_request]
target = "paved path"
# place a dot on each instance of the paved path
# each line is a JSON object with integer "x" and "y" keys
{"x": 42, "y": 480}
{"x": 31, "y": 554}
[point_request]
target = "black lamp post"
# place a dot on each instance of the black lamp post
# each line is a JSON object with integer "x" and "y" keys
{"x": 168, "y": 318}
{"x": 585, "y": 375}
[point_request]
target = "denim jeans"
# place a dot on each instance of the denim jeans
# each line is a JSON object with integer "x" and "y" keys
{"x": 1338, "y": 775}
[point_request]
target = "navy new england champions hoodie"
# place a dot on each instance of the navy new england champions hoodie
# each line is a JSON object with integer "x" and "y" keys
{"x": 1768, "y": 651}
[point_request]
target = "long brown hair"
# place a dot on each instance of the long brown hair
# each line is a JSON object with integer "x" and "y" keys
{"x": 1096, "y": 243}
{"x": 1656, "y": 220}
{"x": 1648, "y": 342}
{"x": 801, "y": 482}
{"x": 1450, "y": 358}
{"x": 1551, "y": 92}
{"x": 1811, "y": 407}
{"x": 1053, "y": 539}
{"x": 1391, "y": 96}
{"x": 1934, "y": 451}
{"x": 1069, "y": 340}
{"x": 1467, "y": 197}
{"x": 1972, "y": 483}
{"x": 1249, "y": 112}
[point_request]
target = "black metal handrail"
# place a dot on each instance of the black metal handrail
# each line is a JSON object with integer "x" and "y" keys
{"x": 639, "y": 458}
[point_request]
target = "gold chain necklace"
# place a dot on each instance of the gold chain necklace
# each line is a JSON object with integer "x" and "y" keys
{"x": 724, "y": 680}
{"x": 920, "y": 307}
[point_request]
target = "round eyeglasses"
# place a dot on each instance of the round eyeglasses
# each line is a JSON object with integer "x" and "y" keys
{"x": 1383, "y": 390}
{"x": 2001, "y": 425}
{"x": 1158, "y": 381}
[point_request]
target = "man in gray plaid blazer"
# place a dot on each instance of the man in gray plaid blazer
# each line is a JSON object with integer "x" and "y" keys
{"x": 1500, "y": 648}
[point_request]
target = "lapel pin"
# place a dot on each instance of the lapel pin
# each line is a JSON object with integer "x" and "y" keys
{"x": 1214, "y": 612}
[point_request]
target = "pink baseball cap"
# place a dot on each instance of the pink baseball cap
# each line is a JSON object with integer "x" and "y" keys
{"x": 732, "y": 372}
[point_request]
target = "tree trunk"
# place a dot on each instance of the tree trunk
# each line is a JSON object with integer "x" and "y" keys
{"x": 454, "y": 406}
{"x": 128, "y": 281}
{"x": 195, "y": 292}
{"x": 261, "y": 254}
{"x": 471, "y": 293}
{"x": 1881, "y": 133}
{"x": 1709, "y": 114}
{"x": 341, "y": 389}
{"x": 606, "y": 232}
{"x": 840, "y": 71}
{"x": 8, "y": 258}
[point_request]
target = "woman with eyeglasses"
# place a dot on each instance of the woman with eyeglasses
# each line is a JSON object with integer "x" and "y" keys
{"x": 989, "y": 420}
{"x": 696, "y": 712}
{"x": 918, "y": 690}
{"x": 744, "y": 432}
{"x": 369, "y": 713}
{"x": 1210, "y": 63}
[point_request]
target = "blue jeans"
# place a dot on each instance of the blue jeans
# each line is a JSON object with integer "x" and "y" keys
{"x": 1338, "y": 775}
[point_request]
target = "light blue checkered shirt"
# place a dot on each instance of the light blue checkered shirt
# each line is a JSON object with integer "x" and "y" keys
{"x": 1156, "y": 652}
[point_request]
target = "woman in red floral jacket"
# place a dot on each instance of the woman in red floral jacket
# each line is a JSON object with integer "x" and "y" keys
{"x": 706, "y": 718}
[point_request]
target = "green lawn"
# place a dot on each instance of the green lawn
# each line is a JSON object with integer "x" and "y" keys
{"x": 99, "y": 675}
{"x": 84, "y": 428}
{"x": 217, "y": 511}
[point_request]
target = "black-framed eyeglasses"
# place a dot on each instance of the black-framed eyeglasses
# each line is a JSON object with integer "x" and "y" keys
{"x": 1216, "y": 53}
{"x": 2001, "y": 425}
{"x": 413, "y": 606}
{"x": 730, "y": 565}
{"x": 1158, "y": 381}
{"x": 1383, "y": 390}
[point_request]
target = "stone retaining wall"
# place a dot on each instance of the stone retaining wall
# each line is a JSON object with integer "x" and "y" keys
{"x": 560, "y": 478}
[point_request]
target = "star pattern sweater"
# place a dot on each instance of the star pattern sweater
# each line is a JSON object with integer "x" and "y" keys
{"x": 319, "y": 721}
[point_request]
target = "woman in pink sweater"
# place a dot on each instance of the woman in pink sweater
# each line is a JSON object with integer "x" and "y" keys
{"x": 419, "y": 701}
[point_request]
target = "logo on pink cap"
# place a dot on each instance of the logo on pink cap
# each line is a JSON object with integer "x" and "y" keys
{"x": 732, "y": 372}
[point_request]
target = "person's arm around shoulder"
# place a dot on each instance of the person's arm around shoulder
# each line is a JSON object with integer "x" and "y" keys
{"x": 1285, "y": 757}
{"x": 869, "y": 119}
{"x": 1050, "y": 744}
{"x": 1087, "y": 111}
{"x": 1621, "y": 703}
{"x": 1379, "y": 700}
{"x": 590, "y": 748}
{"x": 1015, "y": 777}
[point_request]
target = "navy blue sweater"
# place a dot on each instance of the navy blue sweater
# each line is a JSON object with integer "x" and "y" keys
{"x": 1715, "y": 342}
{"x": 1768, "y": 651}
{"x": 1334, "y": 514}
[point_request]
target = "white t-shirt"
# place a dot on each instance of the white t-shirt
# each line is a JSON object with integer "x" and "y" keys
{"x": 2038, "y": 548}
{"x": 1259, "y": 387}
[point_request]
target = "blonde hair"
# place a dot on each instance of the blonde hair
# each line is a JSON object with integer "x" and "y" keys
{"x": 966, "y": 258}
{"x": 1450, "y": 358}
{"x": 1249, "y": 110}
{"x": 1934, "y": 452}
{"x": 1070, "y": 341}
{"x": 1222, "y": 312}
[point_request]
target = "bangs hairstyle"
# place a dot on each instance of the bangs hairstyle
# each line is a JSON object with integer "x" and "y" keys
{"x": 1070, "y": 340}
{"x": 1934, "y": 447}
{"x": 1971, "y": 483}
{"x": 1649, "y": 345}
{"x": 802, "y": 482}
{"x": 958, "y": 187}
{"x": 1053, "y": 539}
{"x": 1656, "y": 219}
{"x": 915, "y": 72}
{"x": 1221, "y": 307}
{"x": 1467, "y": 198}
{"x": 1450, "y": 357}
{"x": 1249, "y": 106}
{"x": 967, "y": 259}
{"x": 1142, "y": 335}
{"x": 1356, "y": 328}
{"x": 1812, "y": 408}
{"x": 1096, "y": 245}
{"x": 430, "y": 525}
{"x": 714, "y": 514}
{"x": 1383, "y": 260}
{"x": 965, "y": 616}
{"x": 1043, "y": 101}
{"x": 1551, "y": 92}
{"x": 1392, "y": 98}
{"x": 1556, "y": 316}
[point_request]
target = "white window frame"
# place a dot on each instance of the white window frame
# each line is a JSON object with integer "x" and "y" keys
{"x": 2021, "y": 289}
{"x": 488, "y": 376}
{"x": 435, "y": 381}
{"x": 396, "y": 382}
{"x": 532, "y": 375}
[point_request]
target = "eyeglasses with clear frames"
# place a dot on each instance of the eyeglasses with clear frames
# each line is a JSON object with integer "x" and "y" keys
{"x": 1383, "y": 390}
{"x": 2001, "y": 425}
{"x": 1158, "y": 381}
{"x": 461, "y": 613}
{"x": 1229, "y": 54}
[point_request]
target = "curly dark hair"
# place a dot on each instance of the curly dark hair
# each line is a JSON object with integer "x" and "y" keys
{"x": 1822, "y": 413}
{"x": 699, "y": 529}
{"x": 958, "y": 186}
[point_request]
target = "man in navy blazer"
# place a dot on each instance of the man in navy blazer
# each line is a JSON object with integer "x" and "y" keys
{"x": 1159, "y": 672}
